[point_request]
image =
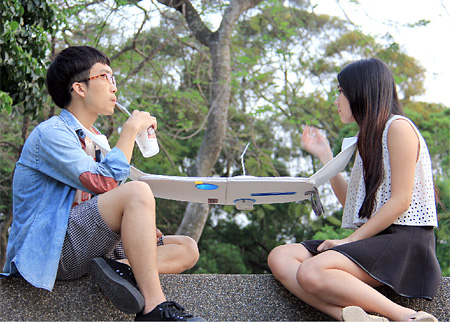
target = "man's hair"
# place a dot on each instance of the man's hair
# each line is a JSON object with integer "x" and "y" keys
{"x": 72, "y": 64}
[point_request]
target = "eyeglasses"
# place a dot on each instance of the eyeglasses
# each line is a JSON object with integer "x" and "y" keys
{"x": 110, "y": 78}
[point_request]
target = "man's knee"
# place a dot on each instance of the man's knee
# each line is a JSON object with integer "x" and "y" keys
{"x": 188, "y": 253}
{"x": 139, "y": 191}
{"x": 191, "y": 248}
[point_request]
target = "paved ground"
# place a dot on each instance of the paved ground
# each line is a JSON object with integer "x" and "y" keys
{"x": 214, "y": 297}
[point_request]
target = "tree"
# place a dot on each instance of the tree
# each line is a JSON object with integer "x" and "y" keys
{"x": 443, "y": 231}
{"x": 219, "y": 43}
{"x": 25, "y": 31}
{"x": 282, "y": 65}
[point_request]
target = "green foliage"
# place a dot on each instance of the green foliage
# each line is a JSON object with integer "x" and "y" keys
{"x": 433, "y": 120}
{"x": 6, "y": 101}
{"x": 284, "y": 64}
{"x": 420, "y": 23}
{"x": 443, "y": 231}
{"x": 10, "y": 133}
{"x": 278, "y": 53}
{"x": 25, "y": 31}
{"x": 25, "y": 34}
{"x": 244, "y": 239}
{"x": 330, "y": 232}
{"x": 221, "y": 258}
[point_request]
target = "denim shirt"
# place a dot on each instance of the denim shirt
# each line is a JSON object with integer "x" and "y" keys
{"x": 52, "y": 166}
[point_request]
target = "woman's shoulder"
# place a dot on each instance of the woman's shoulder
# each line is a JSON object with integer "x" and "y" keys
{"x": 402, "y": 139}
{"x": 403, "y": 125}
{"x": 399, "y": 126}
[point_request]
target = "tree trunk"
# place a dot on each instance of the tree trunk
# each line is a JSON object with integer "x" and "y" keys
{"x": 4, "y": 226}
{"x": 4, "y": 237}
{"x": 219, "y": 45}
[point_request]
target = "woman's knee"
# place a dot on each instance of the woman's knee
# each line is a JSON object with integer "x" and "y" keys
{"x": 274, "y": 256}
{"x": 277, "y": 260}
{"x": 309, "y": 277}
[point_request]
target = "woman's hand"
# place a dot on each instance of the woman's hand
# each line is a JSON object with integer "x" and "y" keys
{"x": 158, "y": 233}
{"x": 330, "y": 243}
{"x": 316, "y": 143}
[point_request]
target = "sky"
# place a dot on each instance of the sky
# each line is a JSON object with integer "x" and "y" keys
{"x": 429, "y": 44}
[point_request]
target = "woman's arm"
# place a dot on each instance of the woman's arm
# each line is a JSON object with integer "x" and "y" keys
{"x": 403, "y": 146}
{"x": 317, "y": 144}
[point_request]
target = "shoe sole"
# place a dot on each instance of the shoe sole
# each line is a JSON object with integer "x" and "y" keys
{"x": 354, "y": 314}
{"x": 422, "y": 316}
{"x": 357, "y": 314}
{"x": 120, "y": 292}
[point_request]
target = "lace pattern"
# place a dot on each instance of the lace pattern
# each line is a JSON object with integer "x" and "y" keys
{"x": 422, "y": 210}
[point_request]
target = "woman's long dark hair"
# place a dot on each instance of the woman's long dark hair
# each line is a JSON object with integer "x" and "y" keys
{"x": 369, "y": 86}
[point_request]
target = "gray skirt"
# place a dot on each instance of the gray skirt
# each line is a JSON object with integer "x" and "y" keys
{"x": 401, "y": 257}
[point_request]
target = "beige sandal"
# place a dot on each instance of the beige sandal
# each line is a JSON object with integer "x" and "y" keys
{"x": 357, "y": 314}
{"x": 422, "y": 316}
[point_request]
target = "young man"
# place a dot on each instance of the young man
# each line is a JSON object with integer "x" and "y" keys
{"x": 71, "y": 209}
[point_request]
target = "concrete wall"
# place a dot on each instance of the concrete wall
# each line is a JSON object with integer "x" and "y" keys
{"x": 214, "y": 297}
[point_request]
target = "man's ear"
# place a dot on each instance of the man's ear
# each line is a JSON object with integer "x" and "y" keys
{"x": 79, "y": 89}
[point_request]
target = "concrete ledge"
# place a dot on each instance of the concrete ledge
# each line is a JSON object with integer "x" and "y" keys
{"x": 214, "y": 297}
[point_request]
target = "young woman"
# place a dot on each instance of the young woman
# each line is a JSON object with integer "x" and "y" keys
{"x": 389, "y": 202}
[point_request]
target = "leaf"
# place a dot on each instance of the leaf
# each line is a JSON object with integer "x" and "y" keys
{"x": 14, "y": 25}
{"x": 420, "y": 23}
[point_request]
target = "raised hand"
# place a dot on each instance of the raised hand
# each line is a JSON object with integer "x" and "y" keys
{"x": 316, "y": 143}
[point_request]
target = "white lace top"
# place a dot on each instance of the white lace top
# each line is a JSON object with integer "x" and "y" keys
{"x": 422, "y": 210}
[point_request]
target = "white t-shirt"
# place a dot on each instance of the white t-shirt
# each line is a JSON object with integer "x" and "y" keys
{"x": 422, "y": 210}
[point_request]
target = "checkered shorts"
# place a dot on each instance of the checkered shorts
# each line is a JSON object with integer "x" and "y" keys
{"x": 87, "y": 237}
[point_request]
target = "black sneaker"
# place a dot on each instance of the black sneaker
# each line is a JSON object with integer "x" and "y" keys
{"x": 117, "y": 281}
{"x": 168, "y": 311}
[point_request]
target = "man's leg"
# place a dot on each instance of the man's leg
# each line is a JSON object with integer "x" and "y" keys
{"x": 176, "y": 255}
{"x": 179, "y": 253}
{"x": 130, "y": 211}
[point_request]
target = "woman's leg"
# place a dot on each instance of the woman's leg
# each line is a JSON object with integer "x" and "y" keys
{"x": 284, "y": 262}
{"x": 330, "y": 281}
